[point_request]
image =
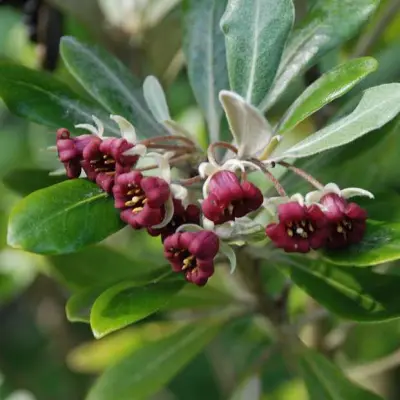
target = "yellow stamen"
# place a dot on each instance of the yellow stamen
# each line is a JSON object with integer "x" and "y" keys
{"x": 187, "y": 262}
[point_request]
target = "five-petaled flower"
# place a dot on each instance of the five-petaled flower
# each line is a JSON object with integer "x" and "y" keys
{"x": 228, "y": 198}
{"x": 141, "y": 199}
{"x": 300, "y": 228}
{"x": 182, "y": 215}
{"x": 347, "y": 221}
{"x": 104, "y": 159}
{"x": 70, "y": 151}
{"x": 192, "y": 253}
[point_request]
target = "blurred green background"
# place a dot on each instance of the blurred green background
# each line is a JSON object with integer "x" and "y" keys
{"x": 45, "y": 357}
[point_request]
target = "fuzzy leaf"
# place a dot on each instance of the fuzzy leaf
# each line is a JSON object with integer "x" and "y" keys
{"x": 378, "y": 106}
{"x": 41, "y": 98}
{"x": 327, "y": 24}
{"x": 325, "y": 380}
{"x": 380, "y": 244}
{"x": 204, "y": 46}
{"x": 126, "y": 303}
{"x": 249, "y": 128}
{"x": 63, "y": 218}
{"x": 155, "y": 99}
{"x": 329, "y": 87}
{"x": 255, "y": 35}
{"x": 354, "y": 293}
{"x": 110, "y": 83}
{"x": 146, "y": 371}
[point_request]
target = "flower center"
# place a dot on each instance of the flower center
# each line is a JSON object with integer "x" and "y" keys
{"x": 187, "y": 259}
{"x": 104, "y": 164}
{"x": 344, "y": 227}
{"x": 302, "y": 229}
{"x": 138, "y": 199}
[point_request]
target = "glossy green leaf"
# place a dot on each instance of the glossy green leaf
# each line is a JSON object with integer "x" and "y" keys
{"x": 378, "y": 106}
{"x": 27, "y": 180}
{"x": 329, "y": 87}
{"x": 380, "y": 244}
{"x": 325, "y": 380}
{"x": 99, "y": 265}
{"x": 110, "y": 83}
{"x": 355, "y": 293}
{"x": 40, "y": 98}
{"x": 63, "y": 218}
{"x": 96, "y": 356}
{"x": 327, "y": 24}
{"x": 204, "y": 46}
{"x": 194, "y": 297}
{"x": 147, "y": 370}
{"x": 255, "y": 35}
{"x": 79, "y": 305}
{"x": 126, "y": 303}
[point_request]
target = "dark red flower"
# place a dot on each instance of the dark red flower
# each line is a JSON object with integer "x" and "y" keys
{"x": 229, "y": 198}
{"x": 347, "y": 221}
{"x": 192, "y": 253}
{"x": 141, "y": 199}
{"x": 104, "y": 159}
{"x": 70, "y": 151}
{"x": 182, "y": 215}
{"x": 300, "y": 228}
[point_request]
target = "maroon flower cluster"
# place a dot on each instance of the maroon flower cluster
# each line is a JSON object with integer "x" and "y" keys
{"x": 337, "y": 224}
{"x": 144, "y": 202}
{"x": 141, "y": 200}
{"x": 102, "y": 160}
{"x": 229, "y": 198}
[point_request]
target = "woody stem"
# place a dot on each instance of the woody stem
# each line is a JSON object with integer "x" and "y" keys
{"x": 279, "y": 188}
{"x": 211, "y": 150}
{"x": 174, "y": 160}
{"x": 170, "y": 147}
{"x": 303, "y": 174}
{"x": 158, "y": 139}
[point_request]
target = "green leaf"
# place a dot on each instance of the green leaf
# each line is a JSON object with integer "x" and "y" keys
{"x": 204, "y": 46}
{"x": 199, "y": 298}
{"x": 110, "y": 83}
{"x": 100, "y": 265}
{"x": 255, "y": 35}
{"x": 96, "y": 356}
{"x": 378, "y": 106}
{"x": 380, "y": 244}
{"x": 328, "y": 24}
{"x": 250, "y": 129}
{"x": 353, "y": 293}
{"x": 324, "y": 380}
{"x": 250, "y": 389}
{"x": 27, "y": 180}
{"x": 329, "y": 87}
{"x": 155, "y": 99}
{"x": 79, "y": 305}
{"x": 63, "y": 218}
{"x": 40, "y": 98}
{"x": 126, "y": 303}
{"x": 147, "y": 370}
